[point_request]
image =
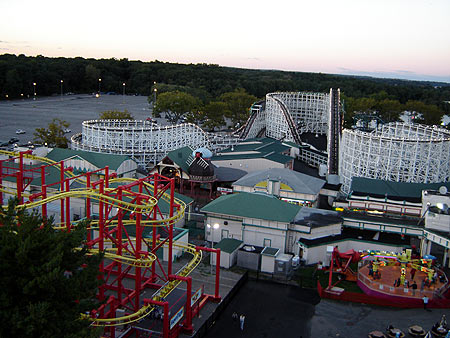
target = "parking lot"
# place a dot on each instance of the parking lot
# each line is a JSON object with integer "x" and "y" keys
{"x": 28, "y": 114}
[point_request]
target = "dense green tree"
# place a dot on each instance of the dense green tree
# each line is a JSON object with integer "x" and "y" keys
{"x": 238, "y": 104}
{"x": 116, "y": 115}
{"x": 196, "y": 116}
{"x": 215, "y": 113}
{"x": 427, "y": 114}
{"x": 54, "y": 134}
{"x": 206, "y": 82}
{"x": 175, "y": 104}
{"x": 47, "y": 278}
{"x": 389, "y": 110}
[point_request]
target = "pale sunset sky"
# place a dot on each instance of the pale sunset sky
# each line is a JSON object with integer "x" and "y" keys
{"x": 407, "y": 39}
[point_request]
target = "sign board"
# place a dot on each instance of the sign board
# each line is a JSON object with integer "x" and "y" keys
{"x": 225, "y": 190}
{"x": 177, "y": 317}
{"x": 196, "y": 296}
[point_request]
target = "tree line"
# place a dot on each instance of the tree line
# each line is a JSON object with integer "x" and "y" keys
{"x": 208, "y": 83}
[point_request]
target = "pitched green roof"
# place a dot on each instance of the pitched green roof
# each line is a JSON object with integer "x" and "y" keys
{"x": 100, "y": 160}
{"x": 180, "y": 157}
{"x": 374, "y": 187}
{"x": 253, "y": 205}
{"x": 228, "y": 245}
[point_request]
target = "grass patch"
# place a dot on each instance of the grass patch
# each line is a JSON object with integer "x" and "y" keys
{"x": 307, "y": 277}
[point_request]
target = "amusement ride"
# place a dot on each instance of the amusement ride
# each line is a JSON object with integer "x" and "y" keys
{"x": 130, "y": 228}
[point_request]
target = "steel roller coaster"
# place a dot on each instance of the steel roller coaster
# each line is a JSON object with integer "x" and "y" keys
{"x": 126, "y": 208}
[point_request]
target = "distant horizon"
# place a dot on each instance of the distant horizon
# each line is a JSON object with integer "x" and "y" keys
{"x": 395, "y": 39}
{"x": 375, "y": 75}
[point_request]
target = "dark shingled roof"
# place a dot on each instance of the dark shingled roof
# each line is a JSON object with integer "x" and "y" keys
{"x": 359, "y": 235}
{"x": 362, "y": 186}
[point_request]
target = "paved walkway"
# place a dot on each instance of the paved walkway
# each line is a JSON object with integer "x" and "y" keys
{"x": 278, "y": 310}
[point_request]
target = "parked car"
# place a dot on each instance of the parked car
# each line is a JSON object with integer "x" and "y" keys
{"x": 20, "y": 131}
{"x": 67, "y": 130}
{"x": 13, "y": 140}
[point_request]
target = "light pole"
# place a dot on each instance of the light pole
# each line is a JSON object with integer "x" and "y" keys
{"x": 62, "y": 81}
{"x": 34, "y": 89}
{"x": 123, "y": 84}
{"x": 214, "y": 226}
{"x": 99, "y": 86}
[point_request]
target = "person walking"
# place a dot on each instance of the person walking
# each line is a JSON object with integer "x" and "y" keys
{"x": 241, "y": 320}
{"x": 425, "y": 302}
{"x": 413, "y": 273}
{"x": 414, "y": 288}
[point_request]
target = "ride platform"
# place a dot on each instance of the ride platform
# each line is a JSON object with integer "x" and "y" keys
{"x": 384, "y": 285}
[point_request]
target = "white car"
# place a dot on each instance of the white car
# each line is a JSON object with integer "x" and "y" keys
{"x": 20, "y": 131}
{"x": 67, "y": 130}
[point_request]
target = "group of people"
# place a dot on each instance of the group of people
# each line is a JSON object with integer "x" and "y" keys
{"x": 235, "y": 317}
{"x": 374, "y": 271}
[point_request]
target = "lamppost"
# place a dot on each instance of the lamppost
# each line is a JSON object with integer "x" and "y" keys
{"x": 123, "y": 84}
{"x": 34, "y": 89}
{"x": 62, "y": 81}
{"x": 214, "y": 226}
{"x": 99, "y": 86}
{"x": 154, "y": 93}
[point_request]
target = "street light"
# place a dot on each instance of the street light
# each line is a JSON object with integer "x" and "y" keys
{"x": 123, "y": 84}
{"x": 215, "y": 226}
{"x": 99, "y": 86}
{"x": 62, "y": 81}
{"x": 34, "y": 88}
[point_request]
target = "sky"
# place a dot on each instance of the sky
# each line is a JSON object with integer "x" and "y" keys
{"x": 406, "y": 39}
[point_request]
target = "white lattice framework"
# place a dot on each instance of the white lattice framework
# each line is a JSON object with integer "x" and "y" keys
{"x": 256, "y": 122}
{"x": 144, "y": 141}
{"x": 396, "y": 152}
{"x": 308, "y": 111}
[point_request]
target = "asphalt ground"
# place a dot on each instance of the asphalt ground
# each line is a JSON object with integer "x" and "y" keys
{"x": 28, "y": 114}
{"x": 278, "y": 310}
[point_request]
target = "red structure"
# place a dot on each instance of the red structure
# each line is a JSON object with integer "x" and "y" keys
{"x": 131, "y": 229}
{"x": 379, "y": 275}
{"x": 340, "y": 263}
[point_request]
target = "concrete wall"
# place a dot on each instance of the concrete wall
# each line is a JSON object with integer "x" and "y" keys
{"x": 248, "y": 259}
{"x": 267, "y": 264}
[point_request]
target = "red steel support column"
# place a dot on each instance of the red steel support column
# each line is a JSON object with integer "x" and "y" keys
{"x": 188, "y": 321}
{"x": 172, "y": 188}
{"x": 217, "y": 251}
{"x": 68, "y": 206}
{"x": 101, "y": 224}
{"x": 166, "y": 328}
{"x": 216, "y": 295}
{"x": 62, "y": 189}
{"x": 138, "y": 277}
{"x": 44, "y": 205}
{"x": 154, "y": 230}
{"x": 88, "y": 206}
{"x": 119, "y": 245}
{"x": 19, "y": 179}
{"x": 44, "y": 193}
{"x": 165, "y": 305}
